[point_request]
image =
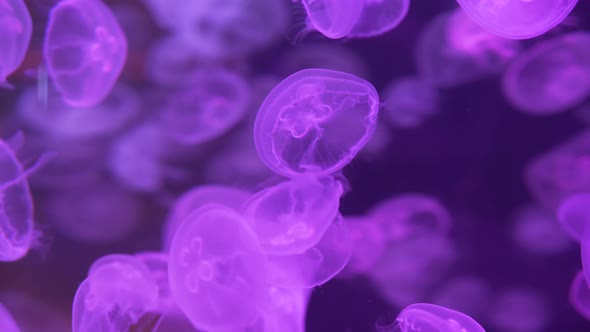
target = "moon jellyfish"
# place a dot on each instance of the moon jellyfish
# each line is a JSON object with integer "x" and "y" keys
{"x": 573, "y": 215}
{"x": 85, "y": 50}
{"x": 426, "y": 317}
{"x": 101, "y": 213}
{"x": 368, "y": 244}
{"x": 214, "y": 102}
{"x": 316, "y": 265}
{"x": 291, "y": 217}
{"x": 7, "y": 323}
{"x": 172, "y": 62}
{"x": 467, "y": 294}
{"x": 217, "y": 270}
{"x": 409, "y": 101}
{"x": 519, "y": 310}
{"x": 60, "y": 120}
{"x": 315, "y": 122}
{"x": 579, "y": 295}
{"x": 334, "y": 19}
{"x": 518, "y": 19}
{"x": 537, "y": 231}
{"x": 452, "y": 50}
{"x": 16, "y": 28}
{"x": 198, "y": 197}
{"x": 284, "y": 312}
{"x": 379, "y": 17}
{"x": 115, "y": 296}
{"x": 560, "y": 172}
{"x": 157, "y": 264}
{"x": 551, "y": 76}
{"x": 411, "y": 214}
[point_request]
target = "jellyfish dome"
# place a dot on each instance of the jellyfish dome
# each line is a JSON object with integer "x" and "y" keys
{"x": 409, "y": 101}
{"x": 426, "y": 317}
{"x": 332, "y": 18}
{"x": 16, "y": 28}
{"x": 315, "y": 122}
{"x": 85, "y": 50}
{"x": 379, "y": 17}
{"x": 518, "y": 19}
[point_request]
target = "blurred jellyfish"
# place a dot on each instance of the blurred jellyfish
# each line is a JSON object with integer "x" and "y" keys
{"x": 85, "y": 50}
{"x": 16, "y": 28}
{"x": 411, "y": 214}
{"x": 119, "y": 290}
{"x": 166, "y": 13}
{"x": 215, "y": 101}
{"x": 519, "y": 310}
{"x": 284, "y": 312}
{"x": 579, "y": 295}
{"x": 325, "y": 56}
{"x": 62, "y": 121}
{"x": 334, "y": 19}
{"x": 537, "y": 231}
{"x": 316, "y": 265}
{"x": 172, "y": 62}
{"x": 452, "y": 50}
{"x": 426, "y": 317}
{"x": 315, "y": 122}
{"x": 550, "y": 77}
{"x": 409, "y": 101}
{"x": 218, "y": 278}
{"x": 573, "y": 215}
{"x": 33, "y": 315}
{"x": 291, "y": 217}
{"x": 219, "y": 29}
{"x": 560, "y": 172}
{"x": 7, "y": 323}
{"x": 368, "y": 244}
{"x": 467, "y": 294}
{"x": 379, "y": 17}
{"x": 517, "y": 19}
{"x": 157, "y": 264}
{"x": 196, "y": 198}
{"x": 100, "y": 213}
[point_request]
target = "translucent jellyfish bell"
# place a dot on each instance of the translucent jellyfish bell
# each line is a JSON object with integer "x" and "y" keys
{"x": 172, "y": 62}
{"x": 85, "y": 50}
{"x": 379, "y": 17}
{"x": 518, "y": 19}
{"x": 315, "y": 122}
{"x": 16, "y": 28}
{"x": 214, "y": 102}
{"x": 118, "y": 292}
{"x": 334, "y": 19}
{"x": 573, "y": 215}
{"x": 426, "y": 317}
{"x": 291, "y": 217}
{"x": 368, "y": 244}
{"x": 579, "y": 295}
{"x": 217, "y": 270}
{"x": 198, "y": 197}
{"x": 551, "y": 76}
{"x": 7, "y": 323}
{"x": 409, "y": 101}
{"x": 157, "y": 264}
{"x": 519, "y": 310}
{"x": 538, "y": 232}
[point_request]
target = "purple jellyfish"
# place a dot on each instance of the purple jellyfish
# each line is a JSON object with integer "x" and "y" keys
{"x": 538, "y": 232}
{"x": 579, "y": 295}
{"x": 409, "y": 101}
{"x": 426, "y": 317}
{"x": 16, "y": 28}
{"x": 7, "y": 322}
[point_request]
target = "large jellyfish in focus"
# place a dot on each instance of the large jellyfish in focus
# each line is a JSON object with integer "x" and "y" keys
{"x": 16, "y": 28}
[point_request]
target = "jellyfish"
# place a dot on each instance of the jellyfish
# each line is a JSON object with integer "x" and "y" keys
{"x": 315, "y": 122}
{"x": 215, "y": 101}
{"x": 579, "y": 295}
{"x": 550, "y": 77}
{"x": 198, "y": 197}
{"x": 285, "y": 311}
{"x": 16, "y": 28}
{"x": 157, "y": 264}
{"x": 409, "y": 101}
{"x": 291, "y": 217}
{"x": 573, "y": 215}
{"x": 426, "y": 317}
{"x": 117, "y": 293}
{"x": 172, "y": 62}
{"x": 519, "y": 310}
{"x": 518, "y": 19}
{"x": 560, "y": 172}
{"x": 452, "y": 50}
{"x": 538, "y": 231}
{"x": 7, "y": 322}
{"x": 85, "y": 50}
{"x": 217, "y": 270}
{"x": 467, "y": 294}
{"x": 333, "y": 19}
{"x": 368, "y": 244}
{"x": 378, "y": 17}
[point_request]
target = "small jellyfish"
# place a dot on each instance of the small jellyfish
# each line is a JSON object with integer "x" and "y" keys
{"x": 315, "y": 122}
{"x": 16, "y": 28}
{"x": 409, "y": 101}
{"x": 426, "y": 317}
{"x": 117, "y": 293}
{"x": 7, "y": 322}
{"x": 467, "y": 294}
{"x": 316, "y": 265}
{"x": 518, "y": 19}
{"x": 573, "y": 215}
{"x": 560, "y": 172}
{"x": 333, "y": 18}
{"x": 368, "y": 244}
{"x": 198, "y": 197}
{"x": 537, "y": 231}
{"x": 519, "y": 310}
{"x": 172, "y": 62}
{"x": 214, "y": 102}
{"x": 85, "y": 50}
{"x": 550, "y": 77}
{"x": 379, "y": 17}
{"x": 217, "y": 270}
{"x": 579, "y": 295}
{"x": 452, "y": 50}
{"x": 291, "y": 217}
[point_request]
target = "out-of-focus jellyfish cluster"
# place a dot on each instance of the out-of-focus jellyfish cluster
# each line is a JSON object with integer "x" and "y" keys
{"x": 294, "y": 165}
